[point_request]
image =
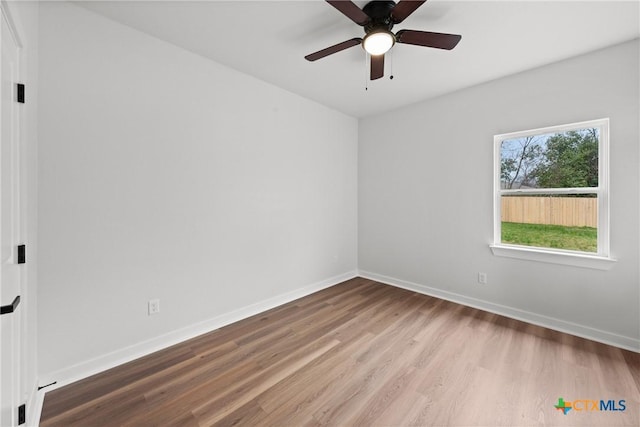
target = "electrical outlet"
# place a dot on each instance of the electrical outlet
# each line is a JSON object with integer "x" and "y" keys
{"x": 482, "y": 278}
{"x": 154, "y": 306}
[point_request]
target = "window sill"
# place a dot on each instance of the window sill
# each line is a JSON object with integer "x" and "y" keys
{"x": 553, "y": 257}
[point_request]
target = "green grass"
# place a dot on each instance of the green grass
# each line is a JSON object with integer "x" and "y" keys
{"x": 551, "y": 236}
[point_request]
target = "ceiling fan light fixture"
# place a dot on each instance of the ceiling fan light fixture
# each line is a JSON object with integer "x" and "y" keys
{"x": 378, "y": 42}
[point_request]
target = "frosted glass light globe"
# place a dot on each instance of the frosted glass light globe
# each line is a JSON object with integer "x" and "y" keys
{"x": 378, "y": 43}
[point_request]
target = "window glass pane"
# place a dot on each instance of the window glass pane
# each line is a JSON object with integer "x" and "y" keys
{"x": 550, "y": 160}
{"x": 567, "y": 222}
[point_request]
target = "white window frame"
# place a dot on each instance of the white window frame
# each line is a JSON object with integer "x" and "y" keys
{"x": 599, "y": 260}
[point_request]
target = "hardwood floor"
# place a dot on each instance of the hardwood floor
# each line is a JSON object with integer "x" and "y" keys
{"x": 361, "y": 353}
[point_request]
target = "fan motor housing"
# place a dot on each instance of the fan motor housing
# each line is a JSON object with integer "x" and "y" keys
{"x": 380, "y": 13}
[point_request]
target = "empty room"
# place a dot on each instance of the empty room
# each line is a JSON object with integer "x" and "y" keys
{"x": 308, "y": 212}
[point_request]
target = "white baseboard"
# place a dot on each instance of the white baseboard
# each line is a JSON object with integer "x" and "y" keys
{"x": 582, "y": 331}
{"x": 90, "y": 367}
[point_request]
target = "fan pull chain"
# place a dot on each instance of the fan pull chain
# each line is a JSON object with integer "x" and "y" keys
{"x": 367, "y": 60}
{"x": 391, "y": 64}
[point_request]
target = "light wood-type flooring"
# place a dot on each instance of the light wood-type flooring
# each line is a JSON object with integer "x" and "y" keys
{"x": 361, "y": 353}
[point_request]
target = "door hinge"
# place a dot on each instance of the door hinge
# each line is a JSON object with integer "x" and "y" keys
{"x": 22, "y": 254}
{"x": 22, "y": 414}
{"x": 20, "y": 93}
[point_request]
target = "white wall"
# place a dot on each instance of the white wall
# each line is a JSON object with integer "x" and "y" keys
{"x": 166, "y": 175}
{"x": 23, "y": 16}
{"x": 425, "y": 196}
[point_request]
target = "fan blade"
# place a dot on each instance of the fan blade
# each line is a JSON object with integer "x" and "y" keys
{"x": 403, "y": 9}
{"x": 428, "y": 39}
{"x": 333, "y": 49}
{"x": 351, "y": 11}
{"x": 377, "y": 66}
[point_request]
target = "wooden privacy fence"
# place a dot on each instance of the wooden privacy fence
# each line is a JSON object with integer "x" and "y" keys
{"x": 567, "y": 211}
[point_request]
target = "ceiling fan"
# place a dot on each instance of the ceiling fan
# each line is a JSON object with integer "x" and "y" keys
{"x": 378, "y": 18}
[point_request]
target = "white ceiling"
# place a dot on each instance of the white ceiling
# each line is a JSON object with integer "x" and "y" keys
{"x": 269, "y": 39}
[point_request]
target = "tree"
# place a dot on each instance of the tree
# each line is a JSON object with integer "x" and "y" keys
{"x": 570, "y": 160}
{"x": 519, "y": 161}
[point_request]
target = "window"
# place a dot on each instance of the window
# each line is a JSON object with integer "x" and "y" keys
{"x": 551, "y": 194}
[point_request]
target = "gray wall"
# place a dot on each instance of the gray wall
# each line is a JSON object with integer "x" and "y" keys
{"x": 425, "y": 196}
{"x": 166, "y": 175}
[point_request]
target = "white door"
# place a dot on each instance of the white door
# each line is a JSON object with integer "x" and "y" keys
{"x": 10, "y": 271}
